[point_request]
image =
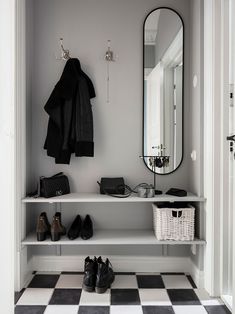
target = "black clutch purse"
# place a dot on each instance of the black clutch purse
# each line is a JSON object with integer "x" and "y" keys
{"x": 54, "y": 186}
{"x": 112, "y": 186}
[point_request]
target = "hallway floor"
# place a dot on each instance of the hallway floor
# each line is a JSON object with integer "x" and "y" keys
{"x": 165, "y": 293}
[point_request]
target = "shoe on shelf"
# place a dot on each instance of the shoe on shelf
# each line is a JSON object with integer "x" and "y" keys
{"x": 105, "y": 275}
{"x": 90, "y": 271}
{"x": 57, "y": 229}
{"x": 43, "y": 227}
{"x": 87, "y": 228}
{"x": 63, "y": 229}
{"x": 47, "y": 222}
{"x": 75, "y": 229}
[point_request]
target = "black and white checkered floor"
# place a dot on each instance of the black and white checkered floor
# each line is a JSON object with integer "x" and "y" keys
{"x": 61, "y": 293}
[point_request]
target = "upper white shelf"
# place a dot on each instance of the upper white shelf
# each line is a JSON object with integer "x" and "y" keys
{"x": 99, "y": 198}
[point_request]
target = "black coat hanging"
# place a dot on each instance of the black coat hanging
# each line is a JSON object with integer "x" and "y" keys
{"x": 70, "y": 126}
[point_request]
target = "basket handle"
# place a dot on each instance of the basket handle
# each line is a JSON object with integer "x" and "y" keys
{"x": 176, "y": 213}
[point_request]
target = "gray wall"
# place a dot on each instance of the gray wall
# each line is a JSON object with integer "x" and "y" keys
{"x": 118, "y": 124}
{"x": 85, "y": 26}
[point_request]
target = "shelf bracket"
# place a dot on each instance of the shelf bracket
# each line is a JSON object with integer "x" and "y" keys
{"x": 58, "y": 209}
{"x": 165, "y": 250}
{"x": 194, "y": 249}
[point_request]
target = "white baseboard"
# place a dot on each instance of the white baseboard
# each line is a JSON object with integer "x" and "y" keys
{"x": 228, "y": 301}
{"x": 120, "y": 264}
{"x": 23, "y": 270}
{"x": 197, "y": 275}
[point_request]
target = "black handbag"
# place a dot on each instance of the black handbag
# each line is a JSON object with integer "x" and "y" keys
{"x": 112, "y": 186}
{"x": 54, "y": 186}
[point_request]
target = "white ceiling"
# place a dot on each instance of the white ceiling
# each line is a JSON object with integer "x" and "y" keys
{"x": 151, "y": 27}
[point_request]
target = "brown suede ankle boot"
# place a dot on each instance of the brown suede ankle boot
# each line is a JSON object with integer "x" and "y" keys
{"x": 43, "y": 214}
{"x": 43, "y": 227}
{"x": 55, "y": 229}
{"x": 63, "y": 229}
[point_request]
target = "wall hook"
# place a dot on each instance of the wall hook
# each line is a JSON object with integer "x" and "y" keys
{"x": 64, "y": 52}
{"x": 109, "y": 58}
{"x": 109, "y": 53}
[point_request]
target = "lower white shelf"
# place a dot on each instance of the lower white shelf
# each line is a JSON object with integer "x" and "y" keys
{"x": 112, "y": 237}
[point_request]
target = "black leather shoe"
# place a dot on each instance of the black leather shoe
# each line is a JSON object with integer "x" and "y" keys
{"x": 105, "y": 275}
{"x": 89, "y": 279}
{"x": 87, "y": 228}
{"x": 75, "y": 228}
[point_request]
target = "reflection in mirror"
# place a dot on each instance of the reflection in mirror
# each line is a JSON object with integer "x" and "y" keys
{"x": 163, "y": 91}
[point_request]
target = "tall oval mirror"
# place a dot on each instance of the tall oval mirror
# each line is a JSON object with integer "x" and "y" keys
{"x": 163, "y": 91}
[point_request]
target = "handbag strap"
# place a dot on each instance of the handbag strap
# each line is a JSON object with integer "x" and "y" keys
{"x": 57, "y": 174}
{"x": 127, "y": 188}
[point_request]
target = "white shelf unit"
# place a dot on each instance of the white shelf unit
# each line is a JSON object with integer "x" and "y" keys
{"x": 100, "y": 198}
{"x": 111, "y": 237}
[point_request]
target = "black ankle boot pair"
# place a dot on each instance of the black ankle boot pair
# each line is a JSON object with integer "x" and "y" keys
{"x": 98, "y": 275}
{"x": 77, "y": 228}
{"x": 55, "y": 230}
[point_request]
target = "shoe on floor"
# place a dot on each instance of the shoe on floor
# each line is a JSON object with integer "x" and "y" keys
{"x": 90, "y": 270}
{"x": 105, "y": 275}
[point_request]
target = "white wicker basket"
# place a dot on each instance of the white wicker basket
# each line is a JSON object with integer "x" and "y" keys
{"x": 168, "y": 227}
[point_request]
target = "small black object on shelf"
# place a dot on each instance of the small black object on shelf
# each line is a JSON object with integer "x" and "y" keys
{"x": 177, "y": 192}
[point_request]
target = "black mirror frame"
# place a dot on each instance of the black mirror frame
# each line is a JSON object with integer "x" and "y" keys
{"x": 159, "y": 8}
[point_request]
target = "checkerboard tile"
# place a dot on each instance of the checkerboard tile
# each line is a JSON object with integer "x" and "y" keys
{"x": 154, "y": 297}
{"x": 176, "y": 282}
{"x": 35, "y": 296}
{"x": 61, "y": 309}
{"x": 192, "y": 309}
{"x": 88, "y": 298}
{"x": 30, "y": 309}
{"x": 130, "y": 309}
{"x": 44, "y": 281}
{"x": 65, "y": 297}
{"x": 142, "y": 293}
{"x": 93, "y": 310}
{"x": 158, "y": 310}
{"x": 69, "y": 281}
{"x": 183, "y": 297}
{"x": 150, "y": 281}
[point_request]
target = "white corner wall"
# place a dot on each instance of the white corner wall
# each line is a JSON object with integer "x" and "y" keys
{"x": 196, "y": 117}
{"x": 196, "y": 103}
{"x": 7, "y": 156}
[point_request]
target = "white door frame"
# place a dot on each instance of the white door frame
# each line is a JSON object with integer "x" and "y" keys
{"x": 216, "y": 148}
